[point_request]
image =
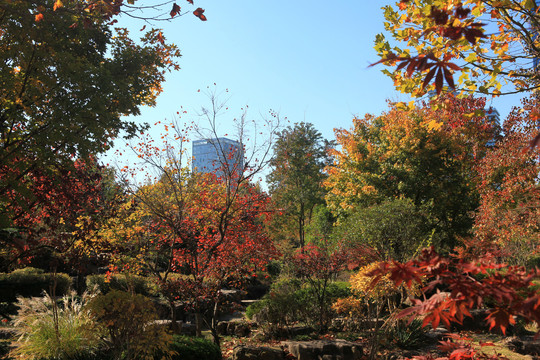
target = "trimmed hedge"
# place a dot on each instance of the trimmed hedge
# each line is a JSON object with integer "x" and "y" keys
{"x": 194, "y": 348}
{"x": 30, "y": 282}
{"x": 139, "y": 284}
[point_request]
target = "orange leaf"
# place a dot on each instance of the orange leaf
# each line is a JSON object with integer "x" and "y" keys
{"x": 39, "y": 17}
{"x": 199, "y": 13}
{"x": 175, "y": 10}
{"x": 160, "y": 38}
{"x": 57, "y": 4}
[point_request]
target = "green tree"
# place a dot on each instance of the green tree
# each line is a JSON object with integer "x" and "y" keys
{"x": 394, "y": 229}
{"x": 421, "y": 154}
{"x": 295, "y": 181}
{"x": 68, "y": 80}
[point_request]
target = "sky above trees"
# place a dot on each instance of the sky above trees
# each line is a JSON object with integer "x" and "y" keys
{"x": 306, "y": 60}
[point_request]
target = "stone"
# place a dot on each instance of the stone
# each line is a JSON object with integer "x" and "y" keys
{"x": 222, "y": 328}
{"x": 231, "y": 326}
{"x": 525, "y": 346}
{"x": 300, "y": 330}
{"x": 242, "y": 329}
{"x": 244, "y": 352}
{"x": 189, "y": 329}
{"x": 7, "y": 333}
{"x": 325, "y": 349}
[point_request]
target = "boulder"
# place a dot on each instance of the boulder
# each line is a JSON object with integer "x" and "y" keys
{"x": 325, "y": 349}
{"x": 525, "y": 346}
{"x": 300, "y": 330}
{"x": 238, "y": 328}
{"x": 242, "y": 329}
{"x": 244, "y": 352}
{"x": 222, "y": 328}
{"x": 189, "y": 329}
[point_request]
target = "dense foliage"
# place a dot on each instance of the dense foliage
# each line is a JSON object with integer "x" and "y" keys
{"x": 300, "y": 155}
{"x": 416, "y": 153}
{"x": 490, "y": 43}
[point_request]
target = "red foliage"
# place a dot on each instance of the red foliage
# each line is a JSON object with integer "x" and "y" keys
{"x": 54, "y": 208}
{"x": 508, "y": 215}
{"x": 199, "y": 12}
{"x": 467, "y": 285}
{"x": 316, "y": 262}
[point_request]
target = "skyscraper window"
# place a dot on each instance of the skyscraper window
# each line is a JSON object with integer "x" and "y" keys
{"x": 217, "y": 155}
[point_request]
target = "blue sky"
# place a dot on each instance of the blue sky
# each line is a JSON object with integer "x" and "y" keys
{"x": 307, "y": 60}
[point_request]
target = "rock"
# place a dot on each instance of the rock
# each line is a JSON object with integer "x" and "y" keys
{"x": 242, "y": 329}
{"x": 243, "y": 352}
{"x": 300, "y": 330}
{"x": 222, "y": 328}
{"x": 7, "y": 333}
{"x": 231, "y": 326}
{"x": 437, "y": 334}
{"x": 238, "y": 328}
{"x": 525, "y": 346}
{"x": 325, "y": 349}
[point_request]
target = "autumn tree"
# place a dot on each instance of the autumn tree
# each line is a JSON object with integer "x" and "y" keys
{"x": 205, "y": 226}
{"x": 58, "y": 216}
{"x": 69, "y": 80}
{"x": 319, "y": 266}
{"x": 417, "y": 153}
{"x": 508, "y": 215}
{"x": 295, "y": 180}
{"x": 488, "y": 43}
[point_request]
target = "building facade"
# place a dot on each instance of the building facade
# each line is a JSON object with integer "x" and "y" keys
{"x": 218, "y": 155}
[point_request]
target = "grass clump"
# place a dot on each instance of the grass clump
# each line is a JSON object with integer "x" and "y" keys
{"x": 42, "y": 333}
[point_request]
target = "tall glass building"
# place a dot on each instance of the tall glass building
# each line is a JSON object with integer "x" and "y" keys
{"x": 536, "y": 63}
{"x": 218, "y": 155}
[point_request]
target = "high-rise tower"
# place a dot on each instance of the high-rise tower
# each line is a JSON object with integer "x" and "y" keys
{"x": 218, "y": 155}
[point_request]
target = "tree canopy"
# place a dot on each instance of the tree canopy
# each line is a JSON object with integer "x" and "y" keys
{"x": 488, "y": 43}
{"x": 68, "y": 81}
{"x": 418, "y": 153}
{"x": 295, "y": 181}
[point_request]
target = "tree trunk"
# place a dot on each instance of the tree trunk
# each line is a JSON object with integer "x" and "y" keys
{"x": 198, "y": 324}
{"x": 214, "y": 325}
{"x": 174, "y": 325}
{"x": 301, "y": 234}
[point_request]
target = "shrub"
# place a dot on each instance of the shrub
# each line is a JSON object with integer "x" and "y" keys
{"x": 194, "y": 348}
{"x": 132, "y": 283}
{"x": 407, "y": 336}
{"x": 30, "y": 282}
{"x": 129, "y": 320}
{"x": 274, "y": 268}
{"x": 288, "y": 302}
{"x": 278, "y": 309}
{"x": 383, "y": 294}
{"x": 310, "y": 307}
{"x": 254, "y": 309}
{"x": 37, "y": 338}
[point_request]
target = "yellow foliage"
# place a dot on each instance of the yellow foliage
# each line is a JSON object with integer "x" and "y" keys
{"x": 361, "y": 284}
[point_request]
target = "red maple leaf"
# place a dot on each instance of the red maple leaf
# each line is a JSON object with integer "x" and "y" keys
{"x": 199, "y": 13}
{"x": 175, "y": 10}
{"x": 500, "y": 318}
